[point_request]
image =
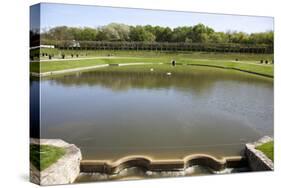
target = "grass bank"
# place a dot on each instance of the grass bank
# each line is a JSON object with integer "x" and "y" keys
{"x": 42, "y": 156}
{"x": 267, "y": 149}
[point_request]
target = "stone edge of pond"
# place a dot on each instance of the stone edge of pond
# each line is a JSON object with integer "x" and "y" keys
{"x": 67, "y": 168}
{"x": 109, "y": 167}
{"x": 257, "y": 160}
{"x": 64, "y": 171}
{"x": 231, "y": 68}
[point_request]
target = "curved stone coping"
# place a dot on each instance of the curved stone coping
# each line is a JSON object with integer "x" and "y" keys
{"x": 112, "y": 167}
{"x": 232, "y": 68}
{"x": 86, "y": 68}
{"x": 64, "y": 171}
{"x": 257, "y": 160}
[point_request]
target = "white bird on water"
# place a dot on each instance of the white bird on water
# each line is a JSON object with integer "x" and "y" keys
{"x": 169, "y": 73}
{"x": 151, "y": 69}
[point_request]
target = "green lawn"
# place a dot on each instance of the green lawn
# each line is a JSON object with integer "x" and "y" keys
{"x": 163, "y": 69}
{"x": 61, "y": 65}
{"x": 267, "y": 149}
{"x": 153, "y": 54}
{"x": 42, "y": 156}
{"x": 247, "y": 62}
{"x": 267, "y": 70}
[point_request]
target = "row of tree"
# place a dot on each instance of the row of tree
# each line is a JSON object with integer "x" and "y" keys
{"x": 120, "y": 32}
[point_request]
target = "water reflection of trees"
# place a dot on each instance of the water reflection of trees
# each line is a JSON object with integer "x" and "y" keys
{"x": 34, "y": 106}
{"x": 193, "y": 81}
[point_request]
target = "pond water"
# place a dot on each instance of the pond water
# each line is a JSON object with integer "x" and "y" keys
{"x": 110, "y": 115}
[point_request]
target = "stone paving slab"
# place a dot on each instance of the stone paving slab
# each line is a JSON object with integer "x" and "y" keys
{"x": 64, "y": 171}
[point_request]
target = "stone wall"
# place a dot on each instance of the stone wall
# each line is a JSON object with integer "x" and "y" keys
{"x": 257, "y": 160}
{"x": 64, "y": 171}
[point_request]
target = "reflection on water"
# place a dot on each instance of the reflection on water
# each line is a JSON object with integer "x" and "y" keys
{"x": 110, "y": 115}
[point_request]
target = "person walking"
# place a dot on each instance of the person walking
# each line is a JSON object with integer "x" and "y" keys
{"x": 173, "y": 62}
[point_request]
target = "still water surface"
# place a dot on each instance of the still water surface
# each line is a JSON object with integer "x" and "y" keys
{"x": 111, "y": 115}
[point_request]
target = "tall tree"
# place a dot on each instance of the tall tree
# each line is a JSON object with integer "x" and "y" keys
{"x": 201, "y": 33}
{"x": 114, "y": 32}
{"x": 139, "y": 33}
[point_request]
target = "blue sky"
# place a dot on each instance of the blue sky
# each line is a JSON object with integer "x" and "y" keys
{"x": 93, "y": 16}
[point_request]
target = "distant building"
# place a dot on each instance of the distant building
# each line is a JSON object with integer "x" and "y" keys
{"x": 42, "y": 46}
{"x": 74, "y": 43}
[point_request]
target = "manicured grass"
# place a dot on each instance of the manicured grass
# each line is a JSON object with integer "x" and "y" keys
{"x": 157, "y": 69}
{"x": 42, "y": 156}
{"x": 247, "y": 66}
{"x": 61, "y": 65}
{"x": 162, "y": 69}
{"x": 153, "y": 54}
{"x": 267, "y": 149}
{"x": 249, "y": 62}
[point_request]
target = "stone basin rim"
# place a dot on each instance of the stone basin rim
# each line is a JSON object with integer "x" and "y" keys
{"x": 106, "y": 166}
{"x": 156, "y": 161}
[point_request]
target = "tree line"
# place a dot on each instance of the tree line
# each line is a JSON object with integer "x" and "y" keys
{"x": 199, "y": 33}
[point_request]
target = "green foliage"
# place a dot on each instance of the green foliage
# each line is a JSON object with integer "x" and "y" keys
{"x": 114, "y": 32}
{"x": 262, "y": 38}
{"x": 201, "y": 33}
{"x": 139, "y": 33}
{"x": 182, "y": 34}
{"x": 70, "y": 33}
{"x": 120, "y": 32}
{"x": 87, "y": 34}
{"x": 267, "y": 149}
{"x": 162, "y": 34}
{"x": 42, "y": 156}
